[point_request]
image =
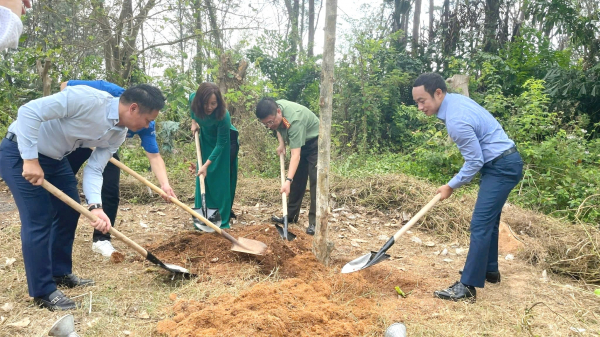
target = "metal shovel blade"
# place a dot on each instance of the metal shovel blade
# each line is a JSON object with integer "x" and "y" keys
{"x": 249, "y": 246}
{"x": 170, "y": 267}
{"x": 213, "y": 216}
{"x": 364, "y": 261}
{"x": 282, "y": 232}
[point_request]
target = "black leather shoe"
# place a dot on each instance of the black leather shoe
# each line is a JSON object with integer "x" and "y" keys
{"x": 56, "y": 301}
{"x": 72, "y": 281}
{"x": 280, "y": 220}
{"x": 310, "y": 230}
{"x": 490, "y": 276}
{"x": 457, "y": 292}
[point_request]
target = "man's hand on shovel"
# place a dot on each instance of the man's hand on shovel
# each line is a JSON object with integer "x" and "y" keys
{"x": 285, "y": 188}
{"x": 102, "y": 222}
{"x": 445, "y": 192}
{"x": 168, "y": 193}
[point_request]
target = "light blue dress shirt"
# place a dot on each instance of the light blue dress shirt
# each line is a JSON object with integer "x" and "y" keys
{"x": 478, "y": 135}
{"x": 78, "y": 116}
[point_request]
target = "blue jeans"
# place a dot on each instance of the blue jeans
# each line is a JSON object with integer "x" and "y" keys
{"x": 47, "y": 247}
{"x": 498, "y": 178}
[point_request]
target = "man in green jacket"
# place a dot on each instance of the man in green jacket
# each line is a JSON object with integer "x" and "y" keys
{"x": 297, "y": 126}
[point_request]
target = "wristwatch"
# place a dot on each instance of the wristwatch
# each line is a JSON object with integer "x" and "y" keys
{"x": 94, "y": 206}
{"x": 290, "y": 179}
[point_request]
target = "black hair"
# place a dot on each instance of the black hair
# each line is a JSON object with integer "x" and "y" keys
{"x": 266, "y": 107}
{"x": 203, "y": 94}
{"x": 431, "y": 82}
{"x": 149, "y": 98}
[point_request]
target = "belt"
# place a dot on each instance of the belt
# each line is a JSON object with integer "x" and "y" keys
{"x": 11, "y": 136}
{"x": 505, "y": 153}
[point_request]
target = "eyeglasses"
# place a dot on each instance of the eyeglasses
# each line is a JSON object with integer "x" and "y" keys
{"x": 269, "y": 123}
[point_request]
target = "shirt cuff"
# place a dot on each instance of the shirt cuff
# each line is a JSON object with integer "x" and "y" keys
{"x": 455, "y": 183}
{"x": 28, "y": 153}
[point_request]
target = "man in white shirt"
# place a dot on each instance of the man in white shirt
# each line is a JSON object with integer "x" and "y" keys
{"x": 35, "y": 148}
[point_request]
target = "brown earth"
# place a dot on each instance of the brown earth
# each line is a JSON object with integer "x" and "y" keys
{"x": 311, "y": 300}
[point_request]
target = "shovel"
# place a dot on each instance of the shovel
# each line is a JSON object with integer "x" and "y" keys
{"x": 240, "y": 245}
{"x": 212, "y": 214}
{"x": 84, "y": 211}
{"x": 372, "y": 258}
{"x": 283, "y": 232}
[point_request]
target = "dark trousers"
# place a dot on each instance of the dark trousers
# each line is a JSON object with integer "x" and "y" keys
{"x": 306, "y": 168}
{"x": 234, "y": 148}
{"x": 47, "y": 245}
{"x": 110, "y": 186}
{"x": 498, "y": 178}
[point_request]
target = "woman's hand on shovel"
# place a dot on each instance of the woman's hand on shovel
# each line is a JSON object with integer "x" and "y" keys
{"x": 102, "y": 222}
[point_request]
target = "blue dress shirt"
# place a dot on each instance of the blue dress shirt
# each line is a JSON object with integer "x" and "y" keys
{"x": 478, "y": 135}
{"x": 147, "y": 135}
{"x": 76, "y": 117}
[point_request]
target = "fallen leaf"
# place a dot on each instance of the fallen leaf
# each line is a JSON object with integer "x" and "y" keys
{"x": 126, "y": 332}
{"x": 21, "y": 324}
{"x": 353, "y": 228}
{"x": 215, "y": 259}
{"x": 444, "y": 252}
{"x": 161, "y": 213}
{"x": 143, "y": 224}
{"x": 416, "y": 240}
{"x": 93, "y": 322}
{"x": 429, "y": 244}
{"x": 597, "y": 292}
{"x": 355, "y": 244}
{"x": 10, "y": 261}
{"x": 382, "y": 237}
{"x": 459, "y": 251}
{"x": 359, "y": 240}
{"x": 8, "y": 307}
{"x": 143, "y": 314}
{"x": 406, "y": 216}
{"x": 509, "y": 257}
{"x": 448, "y": 260}
{"x": 544, "y": 276}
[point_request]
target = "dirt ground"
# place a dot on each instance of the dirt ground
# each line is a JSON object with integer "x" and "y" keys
{"x": 287, "y": 292}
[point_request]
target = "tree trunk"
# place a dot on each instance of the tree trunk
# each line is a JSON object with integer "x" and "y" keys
{"x": 490, "y": 26}
{"x": 431, "y": 9}
{"x": 311, "y": 27}
{"x": 294, "y": 37}
{"x": 43, "y": 72}
{"x": 321, "y": 246}
{"x": 212, "y": 15}
{"x": 416, "y": 24}
{"x": 199, "y": 41}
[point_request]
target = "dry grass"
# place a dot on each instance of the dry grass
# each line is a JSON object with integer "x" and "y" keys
{"x": 133, "y": 296}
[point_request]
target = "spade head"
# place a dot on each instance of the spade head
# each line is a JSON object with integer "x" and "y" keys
{"x": 282, "y": 232}
{"x": 364, "y": 261}
{"x": 213, "y": 216}
{"x": 249, "y": 246}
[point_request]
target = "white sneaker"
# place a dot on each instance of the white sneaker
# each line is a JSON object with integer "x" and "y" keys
{"x": 103, "y": 247}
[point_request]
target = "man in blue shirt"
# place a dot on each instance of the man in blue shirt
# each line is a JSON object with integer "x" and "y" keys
{"x": 35, "y": 148}
{"x": 110, "y": 188}
{"x": 487, "y": 149}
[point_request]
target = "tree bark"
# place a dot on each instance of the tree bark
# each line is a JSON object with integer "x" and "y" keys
{"x": 416, "y": 25}
{"x": 311, "y": 27}
{"x": 321, "y": 246}
{"x": 490, "y": 26}
{"x": 431, "y": 9}
{"x": 43, "y": 72}
{"x": 212, "y": 16}
{"x": 294, "y": 37}
{"x": 198, "y": 64}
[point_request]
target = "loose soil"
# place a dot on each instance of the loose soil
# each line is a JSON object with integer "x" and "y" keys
{"x": 310, "y": 299}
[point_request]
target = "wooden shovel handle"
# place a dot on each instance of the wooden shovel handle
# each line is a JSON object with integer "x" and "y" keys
{"x": 417, "y": 216}
{"x": 85, "y": 212}
{"x": 283, "y": 196}
{"x": 161, "y": 192}
{"x": 199, "y": 157}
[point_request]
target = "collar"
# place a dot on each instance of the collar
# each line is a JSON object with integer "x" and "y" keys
{"x": 113, "y": 114}
{"x": 441, "y": 114}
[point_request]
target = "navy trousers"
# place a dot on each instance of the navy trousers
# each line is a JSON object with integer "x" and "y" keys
{"x": 498, "y": 178}
{"x": 47, "y": 246}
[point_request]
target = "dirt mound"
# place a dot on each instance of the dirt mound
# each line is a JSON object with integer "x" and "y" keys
{"x": 311, "y": 300}
{"x": 200, "y": 251}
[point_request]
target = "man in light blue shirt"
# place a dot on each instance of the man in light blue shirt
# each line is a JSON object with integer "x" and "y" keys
{"x": 110, "y": 188}
{"x": 35, "y": 148}
{"x": 487, "y": 149}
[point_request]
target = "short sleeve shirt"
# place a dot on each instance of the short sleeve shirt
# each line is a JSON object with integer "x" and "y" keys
{"x": 303, "y": 124}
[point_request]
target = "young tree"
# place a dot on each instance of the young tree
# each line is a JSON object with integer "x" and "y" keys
{"x": 321, "y": 247}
